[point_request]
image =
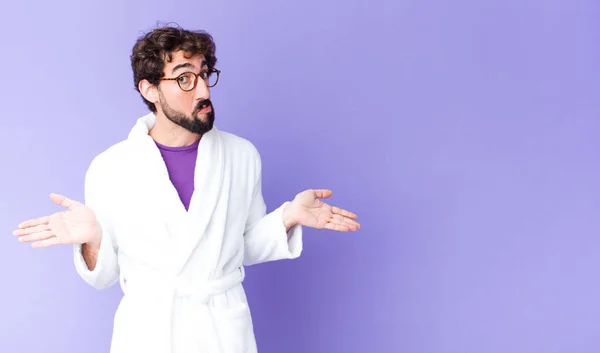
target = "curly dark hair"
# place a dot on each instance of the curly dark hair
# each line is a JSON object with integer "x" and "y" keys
{"x": 153, "y": 49}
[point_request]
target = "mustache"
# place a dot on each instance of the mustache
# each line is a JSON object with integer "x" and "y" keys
{"x": 203, "y": 103}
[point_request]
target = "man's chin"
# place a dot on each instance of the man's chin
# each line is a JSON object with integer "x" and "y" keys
{"x": 203, "y": 117}
{"x": 206, "y": 118}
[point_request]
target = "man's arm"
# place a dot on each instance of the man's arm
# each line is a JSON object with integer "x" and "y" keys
{"x": 90, "y": 250}
{"x": 90, "y": 255}
{"x": 289, "y": 220}
{"x": 273, "y": 236}
{"x": 278, "y": 235}
{"x": 96, "y": 261}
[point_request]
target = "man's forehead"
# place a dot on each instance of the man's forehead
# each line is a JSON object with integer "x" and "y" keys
{"x": 181, "y": 59}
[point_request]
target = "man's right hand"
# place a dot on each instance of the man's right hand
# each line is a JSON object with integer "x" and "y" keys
{"x": 76, "y": 225}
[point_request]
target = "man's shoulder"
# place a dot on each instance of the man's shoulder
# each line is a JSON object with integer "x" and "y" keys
{"x": 237, "y": 144}
{"x": 111, "y": 159}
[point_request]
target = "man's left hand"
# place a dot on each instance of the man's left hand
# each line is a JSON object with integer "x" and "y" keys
{"x": 307, "y": 210}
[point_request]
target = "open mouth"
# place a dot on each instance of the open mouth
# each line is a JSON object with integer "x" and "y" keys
{"x": 205, "y": 107}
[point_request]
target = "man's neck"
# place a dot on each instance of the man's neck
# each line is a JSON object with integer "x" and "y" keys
{"x": 170, "y": 134}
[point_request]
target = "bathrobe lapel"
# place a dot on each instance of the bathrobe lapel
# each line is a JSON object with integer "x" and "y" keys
{"x": 185, "y": 230}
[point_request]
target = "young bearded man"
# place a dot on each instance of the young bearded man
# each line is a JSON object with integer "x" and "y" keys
{"x": 175, "y": 211}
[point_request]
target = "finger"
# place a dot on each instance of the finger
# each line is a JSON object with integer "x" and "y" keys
{"x": 343, "y": 212}
{"x": 348, "y": 221}
{"x": 323, "y": 193}
{"x": 337, "y": 227}
{"x": 345, "y": 222}
{"x": 34, "y": 222}
{"x": 62, "y": 200}
{"x": 36, "y": 236}
{"x": 31, "y": 230}
{"x": 352, "y": 223}
{"x": 45, "y": 243}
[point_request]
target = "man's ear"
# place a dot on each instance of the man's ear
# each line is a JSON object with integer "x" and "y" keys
{"x": 149, "y": 91}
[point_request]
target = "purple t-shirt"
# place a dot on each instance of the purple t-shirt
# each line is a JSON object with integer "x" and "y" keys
{"x": 181, "y": 163}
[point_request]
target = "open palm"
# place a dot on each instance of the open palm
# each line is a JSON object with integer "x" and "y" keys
{"x": 76, "y": 225}
{"x": 312, "y": 212}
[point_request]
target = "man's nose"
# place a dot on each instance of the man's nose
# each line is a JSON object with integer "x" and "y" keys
{"x": 202, "y": 91}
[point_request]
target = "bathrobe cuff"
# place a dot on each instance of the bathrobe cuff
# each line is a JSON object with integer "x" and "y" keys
{"x": 102, "y": 275}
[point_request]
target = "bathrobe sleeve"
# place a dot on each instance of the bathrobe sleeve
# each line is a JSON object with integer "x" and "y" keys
{"x": 265, "y": 236}
{"x": 106, "y": 272}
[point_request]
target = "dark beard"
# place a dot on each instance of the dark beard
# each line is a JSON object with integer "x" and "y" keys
{"x": 193, "y": 124}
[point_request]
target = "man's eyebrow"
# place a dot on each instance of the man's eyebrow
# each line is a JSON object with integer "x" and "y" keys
{"x": 181, "y": 66}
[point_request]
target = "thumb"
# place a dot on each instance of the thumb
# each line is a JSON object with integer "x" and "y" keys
{"x": 323, "y": 193}
{"x": 62, "y": 200}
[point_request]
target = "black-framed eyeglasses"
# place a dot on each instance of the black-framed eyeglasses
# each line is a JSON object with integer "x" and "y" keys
{"x": 187, "y": 81}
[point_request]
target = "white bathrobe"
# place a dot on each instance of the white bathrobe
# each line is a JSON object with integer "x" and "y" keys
{"x": 181, "y": 271}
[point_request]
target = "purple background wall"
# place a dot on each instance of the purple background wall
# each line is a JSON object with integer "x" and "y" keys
{"x": 464, "y": 133}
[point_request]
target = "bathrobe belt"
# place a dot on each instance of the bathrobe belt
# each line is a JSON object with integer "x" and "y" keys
{"x": 166, "y": 290}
